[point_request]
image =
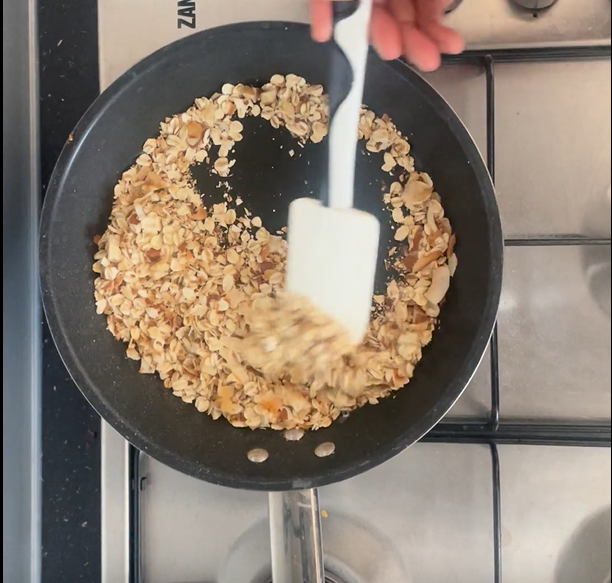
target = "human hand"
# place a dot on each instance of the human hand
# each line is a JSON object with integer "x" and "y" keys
{"x": 409, "y": 28}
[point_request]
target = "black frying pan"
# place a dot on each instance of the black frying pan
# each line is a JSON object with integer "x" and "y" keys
{"x": 78, "y": 202}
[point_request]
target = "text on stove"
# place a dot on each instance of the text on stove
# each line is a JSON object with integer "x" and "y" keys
{"x": 186, "y": 13}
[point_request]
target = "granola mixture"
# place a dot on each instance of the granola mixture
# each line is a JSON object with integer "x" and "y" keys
{"x": 182, "y": 283}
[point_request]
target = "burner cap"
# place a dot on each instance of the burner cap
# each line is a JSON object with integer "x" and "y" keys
{"x": 328, "y": 579}
{"x": 534, "y": 4}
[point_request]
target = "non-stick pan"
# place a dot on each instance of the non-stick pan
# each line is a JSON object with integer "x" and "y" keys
{"x": 78, "y": 202}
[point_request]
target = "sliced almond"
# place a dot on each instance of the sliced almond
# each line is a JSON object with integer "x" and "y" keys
{"x": 440, "y": 283}
{"x": 416, "y": 193}
{"x": 402, "y": 233}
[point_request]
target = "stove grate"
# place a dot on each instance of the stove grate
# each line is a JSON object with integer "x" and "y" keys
{"x": 494, "y": 431}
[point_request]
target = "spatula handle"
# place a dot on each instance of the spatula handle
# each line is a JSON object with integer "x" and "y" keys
{"x": 340, "y": 70}
{"x": 351, "y": 23}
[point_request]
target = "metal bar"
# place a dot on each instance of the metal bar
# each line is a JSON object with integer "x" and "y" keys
{"x": 22, "y": 329}
{"x": 494, "y": 419}
{"x": 117, "y": 516}
{"x": 496, "y": 491}
{"x": 561, "y": 434}
{"x": 529, "y": 55}
{"x": 490, "y": 114}
{"x": 137, "y": 482}
{"x": 493, "y": 347}
{"x": 557, "y": 241}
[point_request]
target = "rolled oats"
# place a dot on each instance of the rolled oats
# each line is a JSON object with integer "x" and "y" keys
{"x": 185, "y": 285}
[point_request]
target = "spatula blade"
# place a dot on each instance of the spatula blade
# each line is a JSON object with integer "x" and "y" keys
{"x": 331, "y": 261}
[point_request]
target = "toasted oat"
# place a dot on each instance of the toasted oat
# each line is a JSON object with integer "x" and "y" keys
{"x": 180, "y": 282}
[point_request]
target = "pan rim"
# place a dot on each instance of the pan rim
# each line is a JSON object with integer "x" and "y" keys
{"x": 325, "y": 476}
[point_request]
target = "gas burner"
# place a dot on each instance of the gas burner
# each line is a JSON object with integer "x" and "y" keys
{"x": 452, "y": 6}
{"x": 328, "y": 579}
{"x": 534, "y": 5}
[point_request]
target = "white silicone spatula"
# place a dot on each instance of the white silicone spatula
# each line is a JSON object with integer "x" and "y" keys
{"x": 333, "y": 247}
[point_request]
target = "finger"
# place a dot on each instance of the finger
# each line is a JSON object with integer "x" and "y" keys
{"x": 403, "y": 11}
{"x": 321, "y": 25}
{"x": 447, "y": 40}
{"x": 321, "y": 19}
{"x": 429, "y": 14}
{"x": 419, "y": 49}
{"x": 385, "y": 34}
{"x": 430, "y": 10}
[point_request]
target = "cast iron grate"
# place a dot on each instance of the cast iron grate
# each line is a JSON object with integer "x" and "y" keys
{"x": 493, "y": 431}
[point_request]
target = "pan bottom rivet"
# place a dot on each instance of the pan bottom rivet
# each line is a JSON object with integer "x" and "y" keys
{"x": 325, "y": 449}
{"x": 257, "y": 455}
{"x": 294, "y": 434}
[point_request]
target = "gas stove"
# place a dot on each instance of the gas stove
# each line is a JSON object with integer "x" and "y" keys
{"x": 514, "y": 483}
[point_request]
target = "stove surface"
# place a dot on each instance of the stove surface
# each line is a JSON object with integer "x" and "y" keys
{"x": 144, "y": 25}
{"x": 431, "y": 514}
